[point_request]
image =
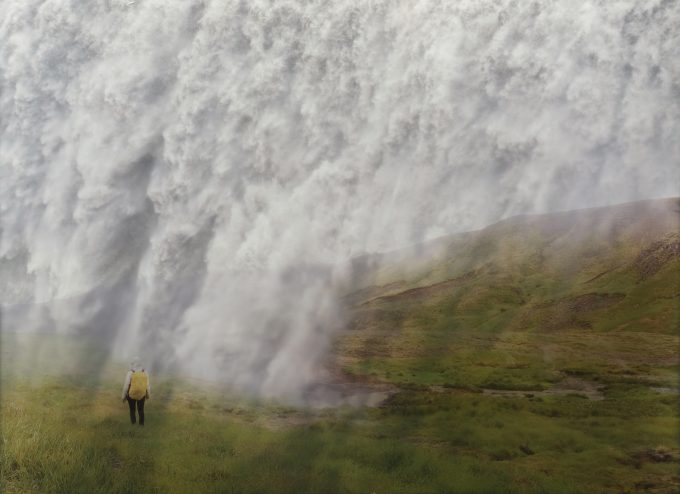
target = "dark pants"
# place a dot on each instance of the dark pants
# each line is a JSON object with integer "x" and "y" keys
{"x": 140, "y": 409}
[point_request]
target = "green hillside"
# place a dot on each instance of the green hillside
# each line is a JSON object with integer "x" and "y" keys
{"x": 526, "y": 303}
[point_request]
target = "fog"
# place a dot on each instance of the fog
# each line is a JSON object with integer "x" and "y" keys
{"x": 187, "y": 179}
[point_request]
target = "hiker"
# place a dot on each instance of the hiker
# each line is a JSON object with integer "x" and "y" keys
{"x": 136, "y": 390}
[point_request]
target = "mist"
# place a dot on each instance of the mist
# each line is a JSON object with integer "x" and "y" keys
{"x": 188, "y": 180}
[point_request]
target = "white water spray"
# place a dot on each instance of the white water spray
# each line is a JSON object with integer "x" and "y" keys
{"x": 187, "y": 176}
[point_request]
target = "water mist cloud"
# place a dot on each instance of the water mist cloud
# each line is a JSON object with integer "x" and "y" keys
{"x": 188, "y": 176}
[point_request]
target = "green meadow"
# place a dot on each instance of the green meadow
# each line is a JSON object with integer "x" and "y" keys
{"x": 539, "y": 355}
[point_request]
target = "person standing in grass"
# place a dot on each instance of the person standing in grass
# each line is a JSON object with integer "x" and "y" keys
{"x": 136, "y": 390}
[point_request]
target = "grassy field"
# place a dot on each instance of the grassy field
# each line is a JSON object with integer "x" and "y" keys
{"x": 62, "y": 433}
{"x": 538, "y": 355}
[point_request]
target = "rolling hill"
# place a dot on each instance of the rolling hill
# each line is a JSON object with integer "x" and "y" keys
{"x": 524, "y": 304}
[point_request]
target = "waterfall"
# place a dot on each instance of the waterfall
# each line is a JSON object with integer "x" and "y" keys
{"x": 188, "y": 177}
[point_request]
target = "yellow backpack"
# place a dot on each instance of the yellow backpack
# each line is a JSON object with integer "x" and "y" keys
{"x": 138, "y": 384}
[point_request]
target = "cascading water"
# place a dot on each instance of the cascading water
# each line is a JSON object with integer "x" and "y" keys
{"x": 188, "y": 176}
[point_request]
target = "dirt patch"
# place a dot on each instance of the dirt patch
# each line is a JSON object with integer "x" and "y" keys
{"x": 340, "y": 388}
{"x": 337, "y": 394}
{"x": 569, "y": 386}
{"x": 653, "y": 258}
{"x": 371, "y": 292}
{"x": 659, "y": 454}
{"x": 599, "y": 275}
{"x": 425, "y": 292}
{"x": 581, "y": 387}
